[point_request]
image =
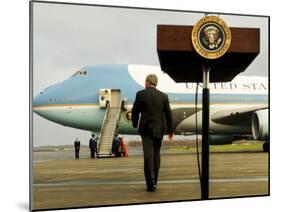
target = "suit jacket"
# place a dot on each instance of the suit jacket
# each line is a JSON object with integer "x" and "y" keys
{"x": 153, "y": 105}
{"x": 77, "y": 145}
{"x": 93, "y": 143}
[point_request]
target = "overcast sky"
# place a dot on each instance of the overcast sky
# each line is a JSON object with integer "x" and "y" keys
{"x": 69, "y": 37}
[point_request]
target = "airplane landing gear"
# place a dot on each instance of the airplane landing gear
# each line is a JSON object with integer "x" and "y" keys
{"x": 266, "y": 146}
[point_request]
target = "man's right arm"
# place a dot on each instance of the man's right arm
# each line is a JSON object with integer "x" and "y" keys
{"x": 168, "y": 118}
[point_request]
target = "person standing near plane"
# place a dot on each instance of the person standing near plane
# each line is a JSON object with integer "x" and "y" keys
{"x": 116, "y": 146}
{"x": 153, "y": 105}
{"x": 124, "y": 151}
{"x": 77, "y": 148}
{"x": 93, "y": 145}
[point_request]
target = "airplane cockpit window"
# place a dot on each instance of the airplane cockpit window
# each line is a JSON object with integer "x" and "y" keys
{"x": 80, "y": 73}
{"x": 77, "y": 72}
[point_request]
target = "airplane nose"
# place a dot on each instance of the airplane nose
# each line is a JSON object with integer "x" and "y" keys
{"x": 35, "y": 102}
{"x": 40, "y": 99}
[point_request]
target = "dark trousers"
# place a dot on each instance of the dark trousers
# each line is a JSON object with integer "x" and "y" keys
{"x": 76, "y": 154}
{"x": 93, "y": 152}
{"x": 151, "y": 154}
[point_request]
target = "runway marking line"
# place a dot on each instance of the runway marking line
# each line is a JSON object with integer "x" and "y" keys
{"x": 93, "y": 182}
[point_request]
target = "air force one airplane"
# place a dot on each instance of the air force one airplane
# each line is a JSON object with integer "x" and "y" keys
{"x": 99, "y": 99}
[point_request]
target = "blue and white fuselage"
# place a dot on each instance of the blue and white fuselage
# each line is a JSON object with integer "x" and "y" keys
{"x": 75, "y": 101}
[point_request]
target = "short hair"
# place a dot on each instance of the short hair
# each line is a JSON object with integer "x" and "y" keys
{"x": 152, "y": 79}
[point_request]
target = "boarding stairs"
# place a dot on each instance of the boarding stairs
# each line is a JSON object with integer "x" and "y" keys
{"x": 109, "y": 130}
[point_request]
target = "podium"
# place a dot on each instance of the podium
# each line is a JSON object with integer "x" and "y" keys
{"x": 187, "y": 54}
{"x": 181, "y": 62}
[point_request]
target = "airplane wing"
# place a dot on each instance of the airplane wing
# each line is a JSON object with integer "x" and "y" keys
{"x": 237, "y": 117}
{"x": 179, "y": 114}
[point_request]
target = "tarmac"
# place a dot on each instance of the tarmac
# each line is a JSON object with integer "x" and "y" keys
{"x": 70, "y": 183}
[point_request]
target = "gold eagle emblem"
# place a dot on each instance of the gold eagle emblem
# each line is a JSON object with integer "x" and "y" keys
{"x": 211, "y": 37}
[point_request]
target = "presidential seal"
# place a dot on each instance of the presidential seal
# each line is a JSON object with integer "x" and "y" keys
{"x": 211, "y": 37}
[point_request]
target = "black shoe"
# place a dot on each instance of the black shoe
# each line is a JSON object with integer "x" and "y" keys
{"x": 151, "y": 188}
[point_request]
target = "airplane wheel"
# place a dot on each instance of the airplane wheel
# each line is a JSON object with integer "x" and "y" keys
{"x": 266, "y": 147}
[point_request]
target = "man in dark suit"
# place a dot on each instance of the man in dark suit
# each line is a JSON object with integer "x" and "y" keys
{"x": 77, "y": 148}
{"x": 93, "y": 145}
{"x": 153, "y": 105}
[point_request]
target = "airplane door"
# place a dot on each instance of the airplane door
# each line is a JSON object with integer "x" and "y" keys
{"x": 115, "y": 98}
{"x": 109, "y": 95}
{"x": 104, "y": 96}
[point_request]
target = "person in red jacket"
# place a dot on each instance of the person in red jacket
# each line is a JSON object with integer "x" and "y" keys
{"x": 124, "y": 150}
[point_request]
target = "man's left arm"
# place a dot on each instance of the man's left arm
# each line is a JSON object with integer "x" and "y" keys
{"x": 168, "y": 118}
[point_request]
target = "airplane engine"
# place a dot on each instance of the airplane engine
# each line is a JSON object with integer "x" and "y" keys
{"x": 260, "y": 124}
{"x": 220, "y": 139}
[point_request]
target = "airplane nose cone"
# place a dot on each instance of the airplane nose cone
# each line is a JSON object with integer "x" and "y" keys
{"x": 39, "y": 101}
{"x": 35, "y": 105}
{"x": 36, "y": 102}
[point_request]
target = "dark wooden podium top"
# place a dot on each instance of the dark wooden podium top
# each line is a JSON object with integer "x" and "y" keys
{"x": 179, "y": 59}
